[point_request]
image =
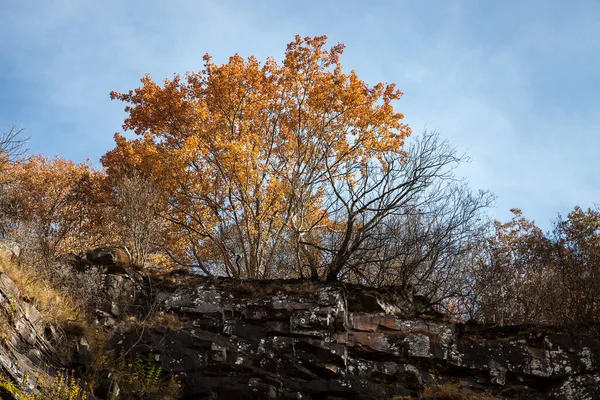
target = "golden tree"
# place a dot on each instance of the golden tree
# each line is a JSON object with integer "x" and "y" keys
{"x": 516, "y": 271}
{"x": 247, "y": 154}
{"x": 56, "y": 202}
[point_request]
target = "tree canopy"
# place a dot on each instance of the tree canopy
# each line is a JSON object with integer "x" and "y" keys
{"x": 250, "y": 155}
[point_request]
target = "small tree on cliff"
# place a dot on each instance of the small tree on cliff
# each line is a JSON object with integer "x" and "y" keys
{"x": 134, "y": 204}
{"x": 273, "y": 169}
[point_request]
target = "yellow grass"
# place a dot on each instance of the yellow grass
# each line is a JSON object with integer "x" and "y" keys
{"x": 55, "y": 305}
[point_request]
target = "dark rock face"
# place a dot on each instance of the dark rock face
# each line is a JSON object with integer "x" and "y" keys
{"x": 303, "y": 340}
{"x": 25, "y": 338}
{"x": 120, "y": 285}
{"x": 236, "y": 341}
{"x": 27, "y": 351}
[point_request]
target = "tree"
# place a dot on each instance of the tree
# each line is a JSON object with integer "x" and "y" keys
{"x": 426, "y": 248}
{"x": 12, "y": 148}
{"x": 512, "y": 274}
{"x": 134, "y": 208}
{"x": 56, "y": 202}
{"x": 526, "y": 276}
{"x": 576, "y": 267}
{"x": 249, "y": 154}
{"x": 406, "y": 210}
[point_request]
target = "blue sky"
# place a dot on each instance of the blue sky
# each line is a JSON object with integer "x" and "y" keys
{"x": 515, "y": 84}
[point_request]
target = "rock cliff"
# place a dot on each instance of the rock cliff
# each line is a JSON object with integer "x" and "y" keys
{"x": 231, "y": 339}
{"x": 305, "y": 340}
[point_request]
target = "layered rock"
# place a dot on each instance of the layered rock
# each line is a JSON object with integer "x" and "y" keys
{"x": 25, "y": 338}
{"x": 304, "y": 340}
{"x": 233, "y": 339}
{"x": 28, "y": 343}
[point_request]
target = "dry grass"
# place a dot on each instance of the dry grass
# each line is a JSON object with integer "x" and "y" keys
{"x": 57, "y": 306}
{"x": 63, "y": 385}
{"x": 158, "y": 320}
{"x": 452, "y": 391}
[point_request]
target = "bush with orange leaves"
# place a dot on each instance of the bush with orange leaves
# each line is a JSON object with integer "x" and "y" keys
{"x": 56, "y": 204}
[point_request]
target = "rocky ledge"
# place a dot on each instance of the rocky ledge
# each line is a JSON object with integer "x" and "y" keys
{"x": 232, "y": 339}
{"x": 293, "y": 340}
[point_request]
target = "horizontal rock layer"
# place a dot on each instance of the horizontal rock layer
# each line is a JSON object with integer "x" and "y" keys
{"x": 256, "y": 340}
{"x": 233, "y": 339}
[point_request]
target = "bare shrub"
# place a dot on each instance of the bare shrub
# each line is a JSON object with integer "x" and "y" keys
{"x": 134, "y": 215}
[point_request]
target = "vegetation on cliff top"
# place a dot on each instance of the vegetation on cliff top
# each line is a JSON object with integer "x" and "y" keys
{"x": 297, "y": 169}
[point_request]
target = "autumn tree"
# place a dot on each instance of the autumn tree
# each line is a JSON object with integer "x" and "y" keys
{"x": 248, "y": 154}
{"x": 55, "y": 203}
{"x": 512, "y": 275}
{"x": 575, "y": 265}
{"x": 525, "y": 276}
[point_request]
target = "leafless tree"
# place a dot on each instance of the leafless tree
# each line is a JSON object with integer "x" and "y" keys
{"x": 13, "y": 146}
{"x": 135, "y": 213}
{"x": 400, "y": 210}
{"x": 428, "y": 250}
